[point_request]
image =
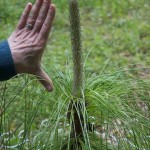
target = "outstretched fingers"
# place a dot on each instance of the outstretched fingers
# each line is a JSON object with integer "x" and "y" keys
{"x": 45, "y": 30}
{"x": 24, "y": 17}
{"x": 42, "y": 15}
{"x": 34, "y": 12}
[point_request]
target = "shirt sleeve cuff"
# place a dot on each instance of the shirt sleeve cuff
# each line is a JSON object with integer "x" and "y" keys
{"x": 7, "y": 69}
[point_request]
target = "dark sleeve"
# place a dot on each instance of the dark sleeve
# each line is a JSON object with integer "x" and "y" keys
{"x": 7, "y": 69}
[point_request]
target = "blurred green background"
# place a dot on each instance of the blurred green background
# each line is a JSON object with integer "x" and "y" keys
{"x": 116, "y": 33}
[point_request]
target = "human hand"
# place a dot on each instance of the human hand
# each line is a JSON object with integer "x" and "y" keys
{"x": 28, "y": 41}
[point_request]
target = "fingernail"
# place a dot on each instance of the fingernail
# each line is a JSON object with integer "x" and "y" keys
{"x": 49, "y": 88}
{"x": 52, "y": 5}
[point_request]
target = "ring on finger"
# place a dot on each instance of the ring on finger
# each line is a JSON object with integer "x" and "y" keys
{"x": 29, "y": 26}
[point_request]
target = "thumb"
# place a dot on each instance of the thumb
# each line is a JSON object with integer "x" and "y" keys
{"x": 45, "y": 80}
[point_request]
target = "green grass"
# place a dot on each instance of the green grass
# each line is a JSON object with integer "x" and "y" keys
{"x": 116, "y": 49}
{"x": 114, "y": 30}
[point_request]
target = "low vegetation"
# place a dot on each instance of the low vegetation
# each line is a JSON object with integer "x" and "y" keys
{"x": 115, "y": 99}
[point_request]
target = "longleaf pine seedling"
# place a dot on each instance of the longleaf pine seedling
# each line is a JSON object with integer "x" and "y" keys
{"x": 74, "y": 110}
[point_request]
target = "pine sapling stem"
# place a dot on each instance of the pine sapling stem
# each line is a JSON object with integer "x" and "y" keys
{"x": 76, "y": 106}
{"x": 75, "y": 29}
